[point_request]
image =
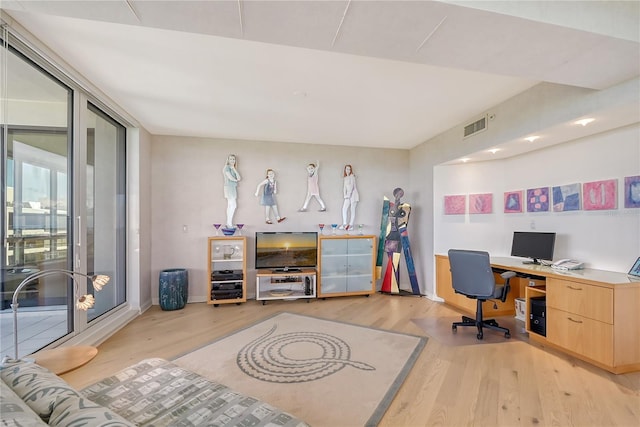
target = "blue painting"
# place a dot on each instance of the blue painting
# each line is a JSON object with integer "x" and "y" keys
{"x": 566, "y": 198}
{"x": 632, "y": 192}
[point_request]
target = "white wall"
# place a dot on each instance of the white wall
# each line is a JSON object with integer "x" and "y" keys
{"x": 608, "y": 240}
{"x": 187, "y": 191}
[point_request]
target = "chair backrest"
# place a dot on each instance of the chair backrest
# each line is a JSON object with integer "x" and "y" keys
{"x": 471, "y": 273}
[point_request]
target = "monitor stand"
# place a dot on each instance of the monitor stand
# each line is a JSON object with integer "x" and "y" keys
{"x": 532, "y": 261}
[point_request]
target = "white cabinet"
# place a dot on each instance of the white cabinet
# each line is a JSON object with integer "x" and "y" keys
{"x": 227, "y": 270}
{"x": 347, "y": 265}
{"x": 285, "y": 285}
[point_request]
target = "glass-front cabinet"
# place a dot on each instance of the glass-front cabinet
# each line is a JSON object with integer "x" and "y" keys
{"x": 347, "y": 265}
{"x": 227, "y": 270}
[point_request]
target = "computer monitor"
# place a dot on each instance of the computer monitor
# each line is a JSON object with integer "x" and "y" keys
{"x": 533, "y": 245}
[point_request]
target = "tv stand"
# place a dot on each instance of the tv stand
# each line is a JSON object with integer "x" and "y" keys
{"x": 285, "y": 285}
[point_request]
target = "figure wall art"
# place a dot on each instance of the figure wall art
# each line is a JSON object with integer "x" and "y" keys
{"x": 455, "y": 205}
{"x": 538, "y": 199}
{"x": 566, "y": 197}
{"x": 599, "y": 195}
{"x": 632, "y": 191}
{"x": 480, "y": 203}
{"x": 513, "y": 202}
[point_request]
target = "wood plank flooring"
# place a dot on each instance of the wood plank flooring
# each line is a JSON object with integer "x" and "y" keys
{"x": 506, "y": 384}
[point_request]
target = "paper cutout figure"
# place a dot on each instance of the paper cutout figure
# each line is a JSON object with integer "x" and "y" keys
{"x": 351, "y": 198}
{"x": 313, "y": 188}
{"x": 268, "y": 199}
{"x": 231, "y": 178}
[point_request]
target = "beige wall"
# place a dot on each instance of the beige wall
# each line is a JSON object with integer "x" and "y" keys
{"x": 186, "y": 175}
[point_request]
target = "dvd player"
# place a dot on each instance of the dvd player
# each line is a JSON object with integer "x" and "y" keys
{"x": 222, "y": 275}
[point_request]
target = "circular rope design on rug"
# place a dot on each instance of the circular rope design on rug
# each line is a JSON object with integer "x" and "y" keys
{"x": 266, "y": 359}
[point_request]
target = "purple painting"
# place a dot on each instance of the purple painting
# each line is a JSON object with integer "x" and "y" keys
{"x": 538, "y": 199}
{"x": 455, "y": 205}
{"x": 599, "y": 195}
{"x": 480, "y": 203}
{"x": 632, "y": 191}
{"x": 513, "y": 201}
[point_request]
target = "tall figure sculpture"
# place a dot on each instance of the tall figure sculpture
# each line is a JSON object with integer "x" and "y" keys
{"x": 231, "y": 178}
{"x": 397, "y": 241}
{"x": 351, "y": 198}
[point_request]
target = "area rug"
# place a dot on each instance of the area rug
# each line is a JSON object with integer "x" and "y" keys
{"x": 324, "y": 372}
{"x": 439, "y": 328}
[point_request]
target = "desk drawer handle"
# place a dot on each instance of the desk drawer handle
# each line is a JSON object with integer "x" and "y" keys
{"x": 574, "y": 321}
{"x": 575, "y": 289}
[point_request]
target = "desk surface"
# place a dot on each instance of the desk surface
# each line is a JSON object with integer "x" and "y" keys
{"x": 597, "y": 277}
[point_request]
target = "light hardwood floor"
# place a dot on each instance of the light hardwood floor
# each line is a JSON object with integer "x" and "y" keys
{"x": 505, "y": 384}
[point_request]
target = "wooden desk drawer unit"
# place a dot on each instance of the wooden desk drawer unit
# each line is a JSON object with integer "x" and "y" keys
{"x": 584, "y": 336}
{"x": 593, "y": 302}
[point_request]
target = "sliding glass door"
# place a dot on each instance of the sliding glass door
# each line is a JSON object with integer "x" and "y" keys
{"x": 105, "y": 207}
{"x": 63, "y": 197}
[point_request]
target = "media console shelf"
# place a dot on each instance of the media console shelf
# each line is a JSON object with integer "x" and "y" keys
{"x": 593, "y": 315}
{"x": 227, "y": 270}
{"x": 285, "y": 285}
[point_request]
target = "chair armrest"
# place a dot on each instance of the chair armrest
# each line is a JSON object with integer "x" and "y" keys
{"x": 507, "y": 276}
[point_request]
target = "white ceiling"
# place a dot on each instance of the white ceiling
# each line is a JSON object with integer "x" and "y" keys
{"x": 389, "y": 74}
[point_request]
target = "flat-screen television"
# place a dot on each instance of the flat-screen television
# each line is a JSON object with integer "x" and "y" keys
{"x": 286, "y": 251}
{"x": 533, "y": 245}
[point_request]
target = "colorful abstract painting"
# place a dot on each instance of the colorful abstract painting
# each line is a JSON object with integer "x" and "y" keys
{"x": 599, "y": 195}
{"x": 513, "y": 202}
{"x": 538, "y": 199}
{"x": 566, "y": 197}
{"x": 632, "y": 191}
{"x": 480, "y": 203}
{"x": 455, "y": 205}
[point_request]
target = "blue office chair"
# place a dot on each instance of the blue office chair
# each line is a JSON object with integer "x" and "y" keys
{"x": 472, "y": 276}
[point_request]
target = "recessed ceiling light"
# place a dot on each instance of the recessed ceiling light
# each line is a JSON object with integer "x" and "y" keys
{"x": 465, "y": 159}
{"x": 494, "y": 150}
{"x": 584, "y": 122}
{"x": 532, "y": 138}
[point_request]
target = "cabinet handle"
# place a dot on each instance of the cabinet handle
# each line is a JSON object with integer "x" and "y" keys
{"x": 574, "y": 321}
{"x": 575, "y": 289}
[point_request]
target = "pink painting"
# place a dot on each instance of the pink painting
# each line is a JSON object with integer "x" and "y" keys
{"x": 455, "y": 205}
{"x": 480, "y": 203}
{"x": 599, "y": 195}
{"x": 513, "y": 201}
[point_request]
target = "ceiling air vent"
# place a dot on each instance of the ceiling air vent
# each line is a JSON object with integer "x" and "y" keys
{"x": 475, "y": 127}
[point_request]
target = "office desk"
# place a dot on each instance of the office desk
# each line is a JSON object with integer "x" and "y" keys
{"x": 591, "y": 314}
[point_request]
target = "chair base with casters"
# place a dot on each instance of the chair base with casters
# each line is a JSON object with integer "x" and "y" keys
{"x": 480, "y": 323}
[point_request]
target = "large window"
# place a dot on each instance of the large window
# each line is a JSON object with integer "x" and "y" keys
{"x": 63, "y": 193}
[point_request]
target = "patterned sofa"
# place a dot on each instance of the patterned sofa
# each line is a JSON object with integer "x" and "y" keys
{"x": 153, "y": 392}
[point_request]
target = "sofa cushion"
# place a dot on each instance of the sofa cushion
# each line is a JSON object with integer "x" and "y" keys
{"x": 155, "y": 392}
{"x": 72, "y": 411}
{"x": 14, "y": 411}
{"x": 36, "y": 386}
